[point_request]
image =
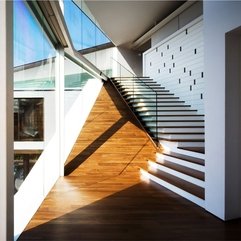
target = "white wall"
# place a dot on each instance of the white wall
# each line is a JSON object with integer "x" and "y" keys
{"x": 46, "y": 171}
{"x": 6, "y": 123}
{"x": 222, "y": 192}
{"x": 103, "y": 59}
{"x": 187, "y": 16}
{"x": 177, "y": 64}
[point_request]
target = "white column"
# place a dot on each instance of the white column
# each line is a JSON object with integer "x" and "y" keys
{"x": 59, "y": 87}
{"x": 222, "y": 109}
{"x": 6, "y": 122}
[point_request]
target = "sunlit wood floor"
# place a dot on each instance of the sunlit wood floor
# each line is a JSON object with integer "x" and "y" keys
{"x": 102, "y": 197}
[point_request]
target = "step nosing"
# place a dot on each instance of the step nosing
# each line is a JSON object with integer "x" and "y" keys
{"x": 180, "y": 183}
{"x": 184, "y": 157}
{"x": 185, "y": 174}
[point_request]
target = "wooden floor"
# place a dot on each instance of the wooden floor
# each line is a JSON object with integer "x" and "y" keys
{"x": 102, "y": 198}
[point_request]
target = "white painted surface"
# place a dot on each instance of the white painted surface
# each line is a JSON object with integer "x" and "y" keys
{"x": 178, "y": 174}
{"x": 160, "y": 158}
{"x": 175, "y": 189}
{"x": 219, "y": 18}
{"x": 183, "y": 18}
{"x": 177, "y": 64}
{"x": 114, "y": 59}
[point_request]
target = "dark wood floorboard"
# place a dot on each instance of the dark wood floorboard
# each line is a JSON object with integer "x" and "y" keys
{"x": 102, "y": 198}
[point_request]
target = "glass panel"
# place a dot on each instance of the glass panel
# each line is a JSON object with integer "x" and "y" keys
{"x": 28, "y": 119}
{"x": 23, "y": 163}
{"x": 34, "y": 56}
{"x": 83, "y": 31}
{"x": 88, "y": 33}
{"x": 34, "y": 74}
{"x": 75, "y": 76}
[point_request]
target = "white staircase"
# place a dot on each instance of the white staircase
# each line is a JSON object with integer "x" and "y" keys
{"x": 177, "y": 129}
{"x": 182, "y": 174}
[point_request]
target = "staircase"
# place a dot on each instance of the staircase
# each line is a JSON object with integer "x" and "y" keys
{"x": 174, "y": 127}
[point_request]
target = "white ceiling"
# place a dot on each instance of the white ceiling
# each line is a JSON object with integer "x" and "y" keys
{"x": 125, "y": 21}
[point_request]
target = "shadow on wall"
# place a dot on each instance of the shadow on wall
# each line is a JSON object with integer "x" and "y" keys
{"x": 125, "y": 116}
{"x": 133, "y": 58}
{"x": 96, "y": 144}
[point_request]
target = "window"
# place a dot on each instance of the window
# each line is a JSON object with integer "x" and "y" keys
{"x": 34, "y": 73}
{"x": 83, "y": 31}
{"x": 28, "y": 119}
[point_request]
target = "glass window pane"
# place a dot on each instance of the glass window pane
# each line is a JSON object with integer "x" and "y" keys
{"x": 34, "y": 74}
{"x": 88, "y": 32}
{"x": 30, "y": 43}
{"x": 75, "y": 76}
{"x": 34, "y": 56}
{"x": 83, "y": 31}
{"x": 28, "y": 119}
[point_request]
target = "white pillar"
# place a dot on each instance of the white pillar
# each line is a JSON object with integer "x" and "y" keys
{"x": 222, "y": 109}
{"x": 59, "y": 88}
{"x": 6, "y": 121}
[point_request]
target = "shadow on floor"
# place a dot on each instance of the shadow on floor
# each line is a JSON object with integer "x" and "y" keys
{"x": 142, "y": 212}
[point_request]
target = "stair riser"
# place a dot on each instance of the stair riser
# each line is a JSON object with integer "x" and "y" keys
{"x": 147, "y": 96}
{"x": 182, "y": 124}
{"x": 145, "y": 100}
{"x": 178, "y": 130}
{"x": 141, "y": 89}
{"x": 165, "y": 108}
{"x": 162, "y": 158}
{"x": 160, "y": 105}
{"x": 181, "y": 136}
{"x": 154, "y": 166}
{"x": 131, "y": 84}
{"x": 175, "y": 189}
{"x": 172, "y": 118}
{"x": 148, "y": 113}
{"x": 146, "y": 93}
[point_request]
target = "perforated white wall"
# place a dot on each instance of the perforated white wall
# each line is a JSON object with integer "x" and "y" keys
{"x": 177, "y": 64}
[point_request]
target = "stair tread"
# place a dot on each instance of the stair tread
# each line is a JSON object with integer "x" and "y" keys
{"x": 149, "y": 94}
{"x": 129, "y": 82}
{"x": 181, "y": 140}
{"x": 197, "y": 115}
{"x": 184, "y": 157}
{"x": 164, "y": 101}
{"x": 180, "y": 183}
{"x": 148, "y": 100}
{"x": 142, "y": 87}
{"x": 182, "y": 169}
{"x": 175, "y": 121}
{"x": 159, "y": 105}
{"x": 181, "y": 133}
{"x": 166, "y": 127}
{"x": 165, "y": 110}
{"x": 194, "y": 149}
